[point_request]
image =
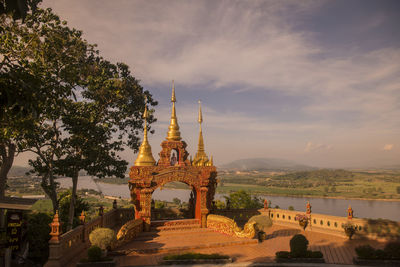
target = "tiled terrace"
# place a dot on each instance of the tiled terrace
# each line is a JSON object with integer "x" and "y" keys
{"x": 150, "y": 248}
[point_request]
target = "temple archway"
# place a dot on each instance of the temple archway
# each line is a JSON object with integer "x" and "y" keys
{"x": 147, "y": 175}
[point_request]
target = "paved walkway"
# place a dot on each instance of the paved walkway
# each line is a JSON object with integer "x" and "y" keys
{"x": 149, "y": 249}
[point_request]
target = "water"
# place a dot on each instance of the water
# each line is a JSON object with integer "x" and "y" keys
{"x": 362, "y": 208}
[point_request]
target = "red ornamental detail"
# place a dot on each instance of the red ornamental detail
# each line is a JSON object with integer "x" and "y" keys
{"x": 145, "y": 179}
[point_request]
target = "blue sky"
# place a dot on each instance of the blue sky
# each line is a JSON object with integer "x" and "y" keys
{"x": 317, "y": 82}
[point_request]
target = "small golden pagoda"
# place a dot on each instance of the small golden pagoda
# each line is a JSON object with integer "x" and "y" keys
{"x": 201, "y": 158}
{"x": 145, "y": 157}
{"x": 173, "y": 129}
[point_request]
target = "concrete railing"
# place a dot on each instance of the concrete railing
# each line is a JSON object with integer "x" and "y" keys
{"x": 330, "y": 224}
{"x": 70, "y": 244}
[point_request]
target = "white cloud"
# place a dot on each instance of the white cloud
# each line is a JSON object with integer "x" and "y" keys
{"x": 311, "y": 147}
{"x": 388, "y": 147}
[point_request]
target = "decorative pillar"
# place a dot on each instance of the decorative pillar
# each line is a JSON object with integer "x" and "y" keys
{"x": 55, "y": 228}
{"x": 145, "y": 204}
{"x": 265, "y": 204}
{"x": 82, "y": 218}
{"x": 101, "y": 213}
{"x": 349, "y": 213}
{"x": 115, "y": 206}
{"x": 204, "y": 210}
{"x": 308, "y": 211}
{"x": 55, "y": 250}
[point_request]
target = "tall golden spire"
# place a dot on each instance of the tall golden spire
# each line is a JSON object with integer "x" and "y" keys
{"x": 201, "y": 158}
{"x": 145, "y": 157}
{"x": 173, "y": 129}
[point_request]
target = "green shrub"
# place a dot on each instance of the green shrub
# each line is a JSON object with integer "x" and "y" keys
{"x": 365, "y": 252}
{"x": 282, "y": 254}
{"x": 315, "y": 254}
{"x": 392, "y": 250}
{"x": 94, "y": 253}
{"x": 380, "y": 254}
{"x": 262, "y": 222}
{"x": 38, "y": 236}
{"x": 103, "y": 238}
{"x": 298, "y": 246}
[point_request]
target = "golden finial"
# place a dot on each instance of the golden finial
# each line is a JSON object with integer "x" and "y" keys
{"x": 200, "y": 158}
{"x": 145, "y": 157}
{"x": 200, "y": 120}
{"x": 173, "y": 129}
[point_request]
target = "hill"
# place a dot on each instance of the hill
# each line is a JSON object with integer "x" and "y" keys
{"x": 264, "y": 164}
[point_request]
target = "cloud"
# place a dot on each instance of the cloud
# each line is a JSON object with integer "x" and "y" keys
{"x": 388, "y": 147}
{"x": 311, "y": 147}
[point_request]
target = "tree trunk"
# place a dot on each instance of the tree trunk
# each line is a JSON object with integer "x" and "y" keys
{"x": 49, "y": 187}
{"x": 71, "y": 213}
{"x": 7, "y": 151}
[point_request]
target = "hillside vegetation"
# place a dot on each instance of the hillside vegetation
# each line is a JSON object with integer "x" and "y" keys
{"x": 324, "y": 182}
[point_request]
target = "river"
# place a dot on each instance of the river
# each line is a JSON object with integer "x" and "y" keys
{"x": 362, "y": 208}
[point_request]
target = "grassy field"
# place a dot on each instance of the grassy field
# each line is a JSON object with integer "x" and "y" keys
{"x": 323, "y": 183}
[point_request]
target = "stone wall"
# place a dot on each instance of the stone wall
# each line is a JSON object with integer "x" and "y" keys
{"x": 334, "y": 224}
{"x": 69, "y": 245}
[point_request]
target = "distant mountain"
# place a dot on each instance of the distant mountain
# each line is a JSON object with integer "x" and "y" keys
{"x": 264, "y": 164}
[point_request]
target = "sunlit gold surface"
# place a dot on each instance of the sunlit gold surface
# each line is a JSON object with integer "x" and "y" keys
{"x": 228, "y": 226}
{"x": 173, "y": 129}
{"x": 145, "y": 157}
{"x": 201, "y": 158}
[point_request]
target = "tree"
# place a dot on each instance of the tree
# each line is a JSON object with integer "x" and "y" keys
{"x": 18, "y": 8}
{"x": 242, "y": 200}
{"x": 65, "y": 103}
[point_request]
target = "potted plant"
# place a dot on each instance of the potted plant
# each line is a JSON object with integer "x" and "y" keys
{"x": 303, "y": 220}
{"x": 349, "y": 229}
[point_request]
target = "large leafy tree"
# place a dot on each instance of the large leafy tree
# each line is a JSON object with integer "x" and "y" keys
{"x": 65, "y": 103}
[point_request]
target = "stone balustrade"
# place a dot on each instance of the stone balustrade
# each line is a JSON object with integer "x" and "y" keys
{"x": 326, "y": 223}
{"x": 67, "y": 246}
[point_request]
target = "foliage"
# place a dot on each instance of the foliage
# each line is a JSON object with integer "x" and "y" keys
{"x": 18, "y": 8}
{"x": 309, "y": 254}
{"x": 64, "y": 102}
{"x": 392, "y": 250}
{"x": 262, "y": 222}
{"x": 290, "y": 208}
{"x": 282, "y": 254}
{"x": 302, "y": 219}
{"x": 298, "y": 245}
{"x": 349, "y": 229}
{"x": 94, "y": 253}
{"x": 398, "y": 190}
{"x": 158, "y": 204}
{"x": 190, "y": 256}
{"x": 314, "y": 254}
{"x": 242, "y": 200}
{"x": 365, "y": 252}
{"x": 220, "y": 204}
{"x": 103, "y": 238}
{"x": 64, "y": 202}
{"x": 176, "y": 201}
{"x": 39, "y": 236}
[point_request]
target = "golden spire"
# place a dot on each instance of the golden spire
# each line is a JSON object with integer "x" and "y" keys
{"x": 173, "y": 129}
{"x": 200, "y": 158}
{"x": 145, "y": 157}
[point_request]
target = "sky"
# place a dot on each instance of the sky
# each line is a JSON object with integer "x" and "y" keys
{"x": 315, "y": 82}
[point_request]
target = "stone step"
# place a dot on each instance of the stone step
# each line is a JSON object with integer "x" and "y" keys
{"x": 175, "y": 227}
{"x": 157, "y": 223}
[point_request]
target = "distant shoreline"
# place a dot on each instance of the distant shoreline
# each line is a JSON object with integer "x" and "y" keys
{"x": 337, "y": 197}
